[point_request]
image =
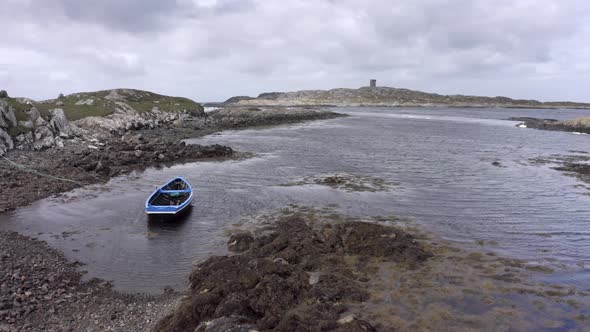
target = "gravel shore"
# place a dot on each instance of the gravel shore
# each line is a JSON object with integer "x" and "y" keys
{"x": 40, "y": 290}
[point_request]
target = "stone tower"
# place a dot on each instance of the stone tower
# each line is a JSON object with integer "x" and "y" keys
{"x": 373, "y": 83}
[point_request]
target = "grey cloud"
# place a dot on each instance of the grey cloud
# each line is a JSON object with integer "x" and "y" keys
{"x": 261, "y": 45}
{"x": 130, "y": 15}
{"x": 133, "y": 16}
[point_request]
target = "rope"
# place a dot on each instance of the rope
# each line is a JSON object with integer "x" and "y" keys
{"x": 29, "y": 170}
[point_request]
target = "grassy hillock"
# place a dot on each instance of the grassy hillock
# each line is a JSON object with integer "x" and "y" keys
{"x": 101, "y": 103}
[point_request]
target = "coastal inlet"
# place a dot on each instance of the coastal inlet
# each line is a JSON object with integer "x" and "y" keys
{"x": 440, "y": 167}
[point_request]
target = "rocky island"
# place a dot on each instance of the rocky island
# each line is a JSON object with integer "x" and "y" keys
{"x": 579, "y": 125}
{"x": 377, "y": 96}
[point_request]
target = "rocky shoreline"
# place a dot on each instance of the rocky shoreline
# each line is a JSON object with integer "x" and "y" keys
{"x": 249, "y": 117}
{"x": 580, "y": 125}
{"x": 29, "y": 176}
{"x": 40, "y": 290}
{"x": 116, "y": 148}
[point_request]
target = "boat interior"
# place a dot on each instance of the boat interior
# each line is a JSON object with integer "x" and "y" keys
{"x": 174, "y": 193}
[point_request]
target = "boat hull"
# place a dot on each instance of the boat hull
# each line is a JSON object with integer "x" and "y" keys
{"x": 171, "y": 199}
{"x": 168, "y": 210}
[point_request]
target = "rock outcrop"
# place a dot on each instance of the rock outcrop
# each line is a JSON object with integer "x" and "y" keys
{"x": 240, "y": 117}
{"x": 7, "y": 120}
{"x": 580, "y": 125}
{"x": 60, "y": 124}
{"x": 125, "y": 118}
{"x": 6, "y": 142}
{"x": 391, "y": 97}
{"x": 97, "y": 115}
{"x": 36, "y": 132}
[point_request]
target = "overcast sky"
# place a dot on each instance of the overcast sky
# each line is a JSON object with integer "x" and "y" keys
{"x": 210, "y": 50}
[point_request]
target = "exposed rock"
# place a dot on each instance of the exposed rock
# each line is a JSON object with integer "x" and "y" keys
{"x": 580, "y": 125}
{"x": 178, "y": 123}
{"x": 44, "y": 138}
{"x": 239, "y": 117}
{"x": 6, "y": 142}
{"x": 59, "y": 142}
{"x": 88, "y": 101}
{"x": 7, "y": 116}
{"x": 113, "y": 112}
{"x": 33, "y": 114}
{"x": 24, "y": 140}
{"x": 125, "y": 118}
{"x": 60, "y": 124}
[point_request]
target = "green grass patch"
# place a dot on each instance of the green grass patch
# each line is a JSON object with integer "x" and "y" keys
{"x": 100, "y": 107}
{"x": 164, "y": 104}
{"x": 19, "y": 109}
{"x": 15, "y": 131}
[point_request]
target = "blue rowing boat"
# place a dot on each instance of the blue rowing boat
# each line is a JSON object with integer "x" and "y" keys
{"x": 170, "y": 199}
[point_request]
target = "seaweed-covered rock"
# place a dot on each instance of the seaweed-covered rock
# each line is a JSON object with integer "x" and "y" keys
{"x": 268, "y": 285}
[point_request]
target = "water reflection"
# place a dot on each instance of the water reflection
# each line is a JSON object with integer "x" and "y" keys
{"x": 165, "y": 222}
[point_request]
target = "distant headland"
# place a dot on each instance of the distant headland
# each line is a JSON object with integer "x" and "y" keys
{"x": 374, "y": 95}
